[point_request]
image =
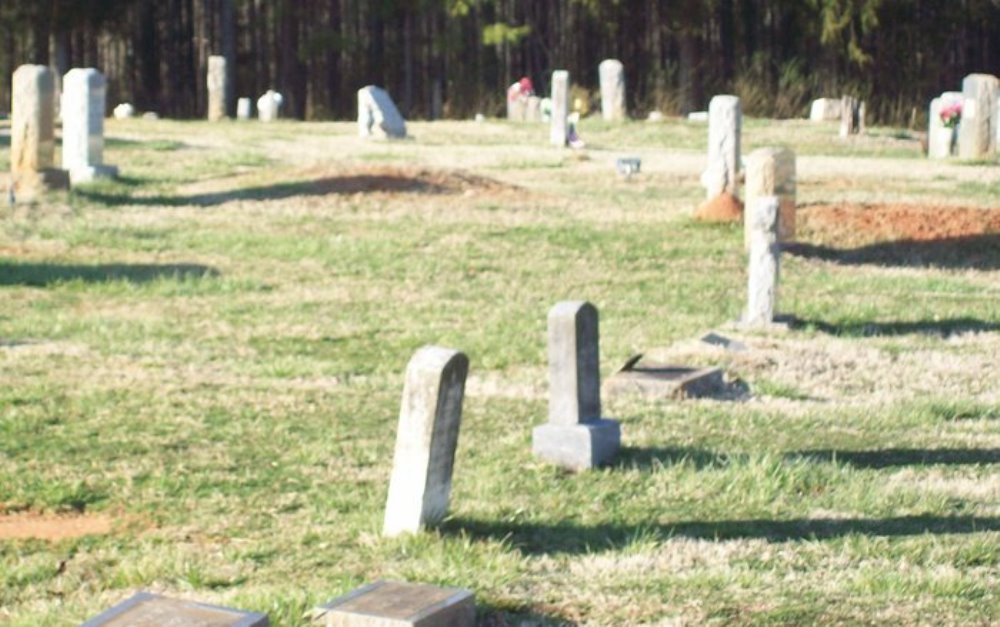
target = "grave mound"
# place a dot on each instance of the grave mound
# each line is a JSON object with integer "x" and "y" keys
{"x": 846, "y": 224}
{"x": 34, "y": 526}
{"x": 723, "y": 208}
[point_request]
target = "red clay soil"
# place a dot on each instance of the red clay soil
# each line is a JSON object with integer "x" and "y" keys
{"x": 27, "y": 525}
{"x": 850, "y": 224}
{"x": 723, "y": 208}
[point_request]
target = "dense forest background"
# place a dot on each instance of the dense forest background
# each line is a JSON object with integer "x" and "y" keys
{"x": 456, "y": 57}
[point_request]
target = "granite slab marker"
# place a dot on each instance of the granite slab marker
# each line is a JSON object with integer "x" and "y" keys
{"x": 941, "y": 142}
{"x": 399, "y": 604}
{"x": 378, "y": 115}
{"x": 151, "y": 610}
{"x": 725, "y": 124}
{"x": 84, "y": 101}
{"x": 217, "y": 88}
{"x": 558, "y": 129}
{"x": 978, "y": 130}
{"x": 32, "y": 131}
{"x": 763, "y": 266}
{"x": 824, "y": 110}
{"x": 612, "y": 77}
{"x": 429, "y": 419}
{"x": 771, "y": 172}
{"x": 269, "y": 106}
{"x": 575, "y": 436}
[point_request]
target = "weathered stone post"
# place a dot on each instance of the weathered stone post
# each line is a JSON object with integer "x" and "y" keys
{"x": 725, "y": 125}
{"x": 763, "y": 266}
{"x": 771, "y": 172}
{"x": 83, "y": 126}
{"x": 217, "y": 88}
{"x": 575, "y": 437}
{"x": 558, "y": 130}
{"x": 33, "y": 144}
{"x": 612, "y": 76}
{"x": 977, "y": 135}
{"x": 851, "y": 116}
{"x": 426, "y": 438}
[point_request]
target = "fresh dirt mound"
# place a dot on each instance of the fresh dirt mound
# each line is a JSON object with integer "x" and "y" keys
{"x": 852, "y": 225}
{"x": 27, "y": 526}
{"x": 723, "y": 208}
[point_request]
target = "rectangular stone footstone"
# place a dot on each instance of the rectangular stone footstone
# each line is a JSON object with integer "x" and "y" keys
{"x": 661, "y": 381}
{"x": 575, "y": 437}
{"x": 152, "y": 610}
{"x": 400, "y": 604}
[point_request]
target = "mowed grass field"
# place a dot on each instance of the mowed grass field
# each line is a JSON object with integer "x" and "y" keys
{"x": 204, "y": 360}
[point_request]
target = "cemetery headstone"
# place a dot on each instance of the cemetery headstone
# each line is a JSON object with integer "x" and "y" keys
{"x": 725, "y": 123}
{"x": 559, "y": 130}
{"x": 763, "y": 266}
{"x": 33, "y": 141}
{"x": 400, "y": 604}
{"x": 977, "y": 135}
{"x": 426, "y": 438}
{"x": 851, "y": 116}
{"x": 942, "y": 136}
{"x": 269, "y": 106}
{"x": 824, "y": 109}
{"x": 152, "y": 610}
{"x": 771, "y": 172}
{"x": 612, "y": 76}
{"x": 216, "y": 88}
{"x": 378, "y": 115}
{"x": 244, "y": 109}
{"x": 124, "y": 111}
{"x": 83, "y": 126}
{"x": 533, "y": 109}
{"x": 575, "y": 436}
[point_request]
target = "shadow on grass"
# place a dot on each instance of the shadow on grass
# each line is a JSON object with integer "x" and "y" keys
{"x": 342, "y": 185}
{"x": 495, "y": 616}
{"x": 943, "y": 328}
{"x": 979, "y": 252}
{"x": 44, "y": 274}
{"x": 639, "y": 458}
{"x": 888, "y": 458}
{"x": 573, "y": 538}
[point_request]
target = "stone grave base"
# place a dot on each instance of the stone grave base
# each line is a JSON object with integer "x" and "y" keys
{"x": 660, "y": 381}
{"x": 30, "y": 185}
{"x": 151, "y": 609}
{"x": 399, "y": 604}
{"x": 578, "y": 446}
{"x": 87, "y": 174}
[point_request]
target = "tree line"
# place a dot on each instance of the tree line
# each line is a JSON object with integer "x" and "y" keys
{"x": 456, "y": 57}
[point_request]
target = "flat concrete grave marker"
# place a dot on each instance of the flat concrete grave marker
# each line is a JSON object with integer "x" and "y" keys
{"x": 378, "y": 115}
{"x": 725, "y": 125}
{"x": 575, "y": 437}
{"x": 661, "y": 381}
{"x": 32, "y": 132}
{"x": 216, "y": 82}
{"x": 83, "y": 126}
{"x": 723, "y": 342}
{"x": 771, "y": 172}
{"x": 152, "y": 610}
{"x": 400, "y": 604}
{"x": 558, "y": 129}
{"x": 612, "y": 77}
{"x": 429, "y": 420}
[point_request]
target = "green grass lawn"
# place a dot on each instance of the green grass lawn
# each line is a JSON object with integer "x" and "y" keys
{"x": 210, "y": 353}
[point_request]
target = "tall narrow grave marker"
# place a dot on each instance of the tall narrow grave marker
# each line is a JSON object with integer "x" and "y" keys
{"x": 33, "y": 142}
{"x": 575, "y": 437}
{"x": 725, "y": 125}
{"x": 977, "y": 135}
{"x": 429, "y": 420}
{"x": 765, "y": 251}
{"x": 83, "y": 126}
{"x": 216, "y": 88}
{"x": 612, "y": 76}
{"x": 560, "y": 108}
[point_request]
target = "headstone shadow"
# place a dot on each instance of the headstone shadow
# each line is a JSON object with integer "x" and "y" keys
{"x": 45, "y": 274}
{"x": 646, "y": 458}
{"x": 977, "y": 252}
{"x": 943, "y": 328}
{"x": 889, "y": 458}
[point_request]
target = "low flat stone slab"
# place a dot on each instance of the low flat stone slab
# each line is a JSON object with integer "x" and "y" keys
{"x": 151, "y": 610}
{"x": 723, "y": 342}
{"x": 400, "y": 604}
{"x": 662, "y": 381}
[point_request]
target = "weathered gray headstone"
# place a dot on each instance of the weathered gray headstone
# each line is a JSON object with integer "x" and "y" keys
{"x": 400, "y": 604}
{"x": 533, "y": 109}
{"x": 851, "y": 116}
{"x": 612, "y": 76}
{"x": 575, "y": 437}
{"x": 558, "y": 131}
{"x": 771, "y": 172}
{"x": 765, "y": 251}
{"x": 151, "y": 610}
{"x": 977, "y": 135}
{"x": 216, "y": 88}
{"x": 244, "y": 109}
{"x": 378, "y": 115}
{"x": 940, "y": 138}
{"x": 824, "y": 109}
{"x": 269, "y": 106}
{"x": 725, "y": 125}
{"x": 83, "y": 126}
{"x": 33, "y": 143}
{"x": 429, "y": 420}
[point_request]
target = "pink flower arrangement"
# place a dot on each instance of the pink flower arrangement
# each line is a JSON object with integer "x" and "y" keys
{"x": 951, "y": 114}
